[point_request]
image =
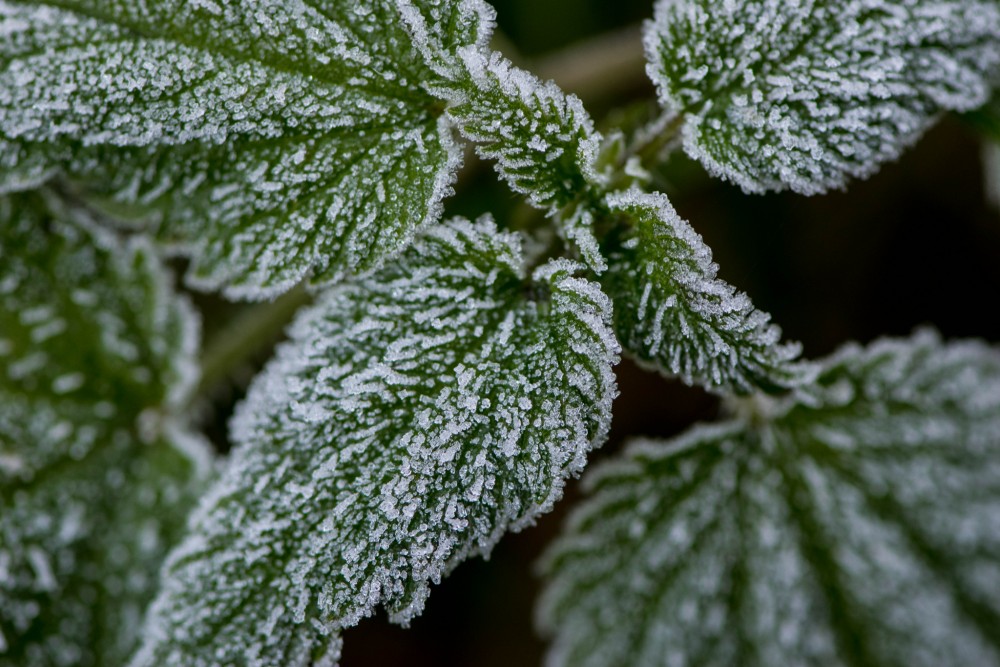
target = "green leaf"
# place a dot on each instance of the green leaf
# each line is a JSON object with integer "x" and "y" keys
{"x": 674, "y": 314}
{"x": 277, "y": 141}
{"x": 413, "y": 418}
{"x": 543, "y": 140}
{"x": 96, "y": 472}
{"x": 855, "y": 523}
{"x": 805, "y": 94}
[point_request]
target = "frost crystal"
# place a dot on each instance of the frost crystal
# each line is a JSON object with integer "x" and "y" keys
{"x": 543, "y": 140}
{"x": 276, "y": 140}
{"x": 803, "y": 94}
{"x": 855, "y": 523}
{"x": 412, "y": 419}
{"x": 673, "y": 313}
{"x": 96, "y": 474}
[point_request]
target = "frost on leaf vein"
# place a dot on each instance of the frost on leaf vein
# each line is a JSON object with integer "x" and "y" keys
{"x": 413, "y": 418}
{"x": 856, "y": 521}
{"x": 803, "y": 95}
{"x": 273, "y": 141}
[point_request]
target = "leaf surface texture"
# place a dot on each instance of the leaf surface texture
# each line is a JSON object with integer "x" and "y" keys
{"x": 854, "y": 523}
{"x": 275, "y": 141}
{"x": 97, "y": 471}
{"x": 413, "y": 418}
{"x": 804, "y": 94}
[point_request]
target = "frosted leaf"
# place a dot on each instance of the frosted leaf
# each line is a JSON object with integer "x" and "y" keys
{"x": 543, "y": 140}
{"x": 856, "y": 523}
{"x": 96, "y": 472}
{"x": 413, "y": 418}
{"x": 803, "y": 94}
{"x": 674, "y": 314}
{"x": 276, "y": 140}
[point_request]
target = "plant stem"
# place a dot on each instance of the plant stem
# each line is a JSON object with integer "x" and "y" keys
{"x": 599, "y": 68}
{"x": 250, "y": 333}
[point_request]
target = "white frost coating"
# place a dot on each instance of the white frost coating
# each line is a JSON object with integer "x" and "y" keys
{"x": 428, "y": 23}
{"x": 858, "y": 522}
{"x": 414, "y": 417}
{"x": 88, "y": 506}
{"x": 277, "y": 141}
{"x": 804, "y": 94}
{"x": 673, "y": 313}
{"x": 542, "y": 139}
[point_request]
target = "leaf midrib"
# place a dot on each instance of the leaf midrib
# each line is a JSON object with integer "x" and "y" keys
{"x": 238, "y": 56}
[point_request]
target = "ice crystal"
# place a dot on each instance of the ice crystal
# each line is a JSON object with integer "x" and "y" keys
{"x": 673, "y": 312}
{"x": 413, "y": 418}
{"x": 277, "y": 140}
{"x": 856, "y": 522}
{"x": 96, "y": 472}
{"x": 543, "y": 140}
{"x": 804, "y": 94}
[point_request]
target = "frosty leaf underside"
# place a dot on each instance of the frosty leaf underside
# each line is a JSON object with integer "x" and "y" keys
{"x": 856, "y": 523}
{"x": 280, "y": 140}
{"x": 804, "y": 94}
{"x": 413, "y": 418}
{"x": 95, "y": 473}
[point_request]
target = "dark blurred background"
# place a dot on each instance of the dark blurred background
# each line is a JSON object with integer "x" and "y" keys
{"x": 915, "y": 245}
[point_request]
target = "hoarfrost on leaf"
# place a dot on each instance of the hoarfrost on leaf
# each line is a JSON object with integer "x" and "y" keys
{"x": 672, "y": 311}
{"x": 96, "y": 471}
{"x": 413, "y": 418}
{"x": 542, "y": 139}
{"x": 275, "y": 141}
{"x": 855, "y": 522}
{"x": 803, "y": 94}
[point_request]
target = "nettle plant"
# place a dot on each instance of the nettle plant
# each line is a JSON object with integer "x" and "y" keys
{"x": 448, "y": 376}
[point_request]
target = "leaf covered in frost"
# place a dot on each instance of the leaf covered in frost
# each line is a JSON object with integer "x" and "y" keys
{"x": 804, "y": 94}
{"x": 276, "y": 140}
{"x": 856, "y": 523}
{"x": 96, "y": 475}
{"x": 414, "y": 417}
{"x": 673, "y": 313}
{"x": 543, "y": 140}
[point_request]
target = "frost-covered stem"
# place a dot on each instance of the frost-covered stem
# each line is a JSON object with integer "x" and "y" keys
{"x": 601, "y": 67}
{"x": 246, "y": 335}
